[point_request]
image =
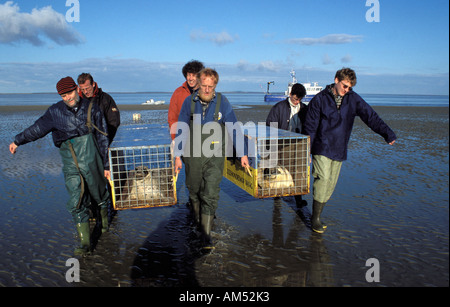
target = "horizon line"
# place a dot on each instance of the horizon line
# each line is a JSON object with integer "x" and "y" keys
{"x": 229, "y": 92}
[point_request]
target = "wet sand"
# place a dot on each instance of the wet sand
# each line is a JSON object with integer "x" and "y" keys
{"x": 391, "y": 203}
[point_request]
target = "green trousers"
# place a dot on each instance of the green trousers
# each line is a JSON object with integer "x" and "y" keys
{"x": 84, "y": 176}
{"x": 326, "y": 174}
{"x": 203, "y": 177}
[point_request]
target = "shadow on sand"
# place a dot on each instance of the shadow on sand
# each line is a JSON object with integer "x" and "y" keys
{"x": 167, "y": 257}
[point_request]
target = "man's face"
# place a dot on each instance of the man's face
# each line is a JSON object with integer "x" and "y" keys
{"x": 87, "y": 89}
{"x": 71, "y": 98}
{"x": 207, "y": 88}
{"x": 342, "y": 87}
{"x": 191, "y": 79}
{"x": 295, "y": 100}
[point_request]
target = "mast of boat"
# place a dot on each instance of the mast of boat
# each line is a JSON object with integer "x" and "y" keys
{"x": 294, "y": 79}
{"x": 268, "y": 84}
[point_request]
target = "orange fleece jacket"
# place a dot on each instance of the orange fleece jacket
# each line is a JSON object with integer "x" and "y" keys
{"x": 176, "y": 101}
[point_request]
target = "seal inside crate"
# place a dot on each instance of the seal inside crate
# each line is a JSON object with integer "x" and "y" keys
{"x": 142, "y": 175}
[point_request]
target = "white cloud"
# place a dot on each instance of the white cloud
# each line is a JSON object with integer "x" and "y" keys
{"x": 219, "y": 39}
{"x": 330, "y": 39}
{"x": 16, "y": 26}
{"x": 134, "y": 75}
{"x": 268, "y": 66}
{"x": 347, "y": 58}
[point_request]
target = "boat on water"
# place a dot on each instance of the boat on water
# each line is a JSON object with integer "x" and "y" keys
{"x": 152, "y": 102}
{"x": 312, "y": 88}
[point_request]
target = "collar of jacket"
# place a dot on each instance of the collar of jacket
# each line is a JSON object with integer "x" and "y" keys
{"x": 97, "y": 91}
{"x": 81, "y": 103}
{"x": 288, "y": 104}
{"x": 329, "y": 90}
{"x": 187, "y": 87}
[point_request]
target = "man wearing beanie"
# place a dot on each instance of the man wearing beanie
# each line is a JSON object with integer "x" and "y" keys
{"x": 77, "y": 127}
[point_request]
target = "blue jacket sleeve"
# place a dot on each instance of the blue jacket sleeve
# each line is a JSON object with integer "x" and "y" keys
{"x": 277, "y": 114}
{"x": 42, "y": 127}
{"x": 234, "y": 129}
{"x": 312, "y": 118}
{"x": 374, "y": 122}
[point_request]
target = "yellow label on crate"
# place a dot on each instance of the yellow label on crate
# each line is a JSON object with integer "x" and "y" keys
{"x": 113, "y": 196}
{"x": 244, "y": 179}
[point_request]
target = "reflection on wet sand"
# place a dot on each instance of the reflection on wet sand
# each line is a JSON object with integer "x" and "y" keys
{"x": 283, "y": 261}
{"x": 171, "y": 256}
{"x": 386, "y": 200}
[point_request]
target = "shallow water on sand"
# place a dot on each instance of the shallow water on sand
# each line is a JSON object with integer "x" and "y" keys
{"x": 391, "y": 203}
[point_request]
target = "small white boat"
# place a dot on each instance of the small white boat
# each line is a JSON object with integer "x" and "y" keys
{"x": 153, "y": 103}
{"x": 311, "y": 90}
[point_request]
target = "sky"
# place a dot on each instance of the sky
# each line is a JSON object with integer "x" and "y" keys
{"x": 394, "y": 46}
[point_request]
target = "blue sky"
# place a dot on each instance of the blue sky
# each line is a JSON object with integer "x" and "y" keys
{"x": 142, "y": 45}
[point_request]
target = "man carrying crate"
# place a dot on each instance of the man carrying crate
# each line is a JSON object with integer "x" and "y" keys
{"x": 78, "y": 129}
{"x": 329, "y": 123}
{"x": 204, "y": 167}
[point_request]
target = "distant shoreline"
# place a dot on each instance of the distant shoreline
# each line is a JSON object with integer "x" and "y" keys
{"x": 231, "y": 92}
{"x": 139, "y": 107}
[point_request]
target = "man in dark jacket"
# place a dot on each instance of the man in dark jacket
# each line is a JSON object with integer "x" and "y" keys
{"x": 79, "y": 130}
{"x": 89, "y": 89}
{"x": 290, "y": 114}
{"x": 329, "y": 123}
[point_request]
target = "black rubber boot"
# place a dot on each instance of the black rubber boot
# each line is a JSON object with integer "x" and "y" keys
{"x": 206, "y": 225}
{"x": 85, "y": 239}
{"x": 300, "y": 202}
{"x": 316, "y": 224}
{"x": 104, "y": 215}
{"x": 195, "y": 211}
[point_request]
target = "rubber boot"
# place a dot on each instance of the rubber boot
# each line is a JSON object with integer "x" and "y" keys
{"x": 104, "y": 215}
{"x": 85, "y": 239}
{"x": 195, "y": 210}
{"x": 300, "y": 202}
{"x": 206, "y": 225}
{"x": 316, "y": 224}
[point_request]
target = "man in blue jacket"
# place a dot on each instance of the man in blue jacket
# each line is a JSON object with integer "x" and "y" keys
{"x": 290, "y": 114}
{"x": 79, "y": 130}
{"x": 329, "y": 123}
{"x": 204, "y": 154}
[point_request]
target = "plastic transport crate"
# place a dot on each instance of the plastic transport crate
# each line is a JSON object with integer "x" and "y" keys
{"x": 141, "y": 166}
{"x": 279, "y": 163}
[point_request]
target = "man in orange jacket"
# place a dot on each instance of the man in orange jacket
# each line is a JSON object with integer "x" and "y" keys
{"x": 189, "y": 71}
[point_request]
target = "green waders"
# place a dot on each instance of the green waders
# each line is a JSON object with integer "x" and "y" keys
{"x": 204, "y": 173}
{"x": 84, "y": 177}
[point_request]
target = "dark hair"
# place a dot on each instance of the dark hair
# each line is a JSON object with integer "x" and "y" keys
{"x": 299, "y": 90}
{"x": 192, "y": 67}
{"x": 84, "y": 77}
{"x": 347, "y": 74}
